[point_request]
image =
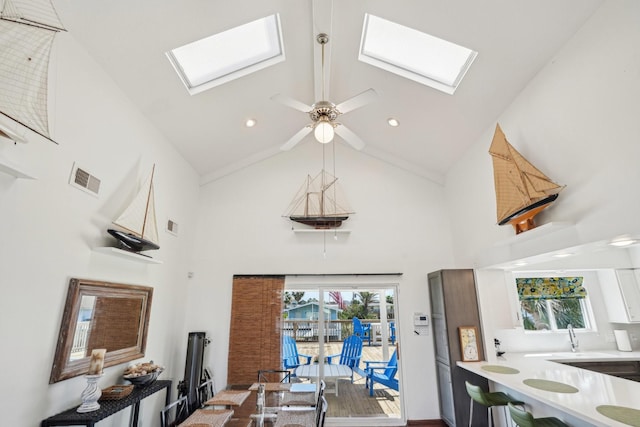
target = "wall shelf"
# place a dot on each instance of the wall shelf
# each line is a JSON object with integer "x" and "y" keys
{"x": 328, "y": 230}
{"x": 108, "y": 250}
{"x": 14, "y": 170}
{"x": 529, "y": 245}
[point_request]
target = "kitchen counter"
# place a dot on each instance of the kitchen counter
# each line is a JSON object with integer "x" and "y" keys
{"x": 593, "y": 388}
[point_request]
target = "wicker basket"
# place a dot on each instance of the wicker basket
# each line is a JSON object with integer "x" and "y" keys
{"x": 116, "y": 392}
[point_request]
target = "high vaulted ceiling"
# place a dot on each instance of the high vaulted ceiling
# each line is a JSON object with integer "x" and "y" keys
{"x": 514, "y": 40}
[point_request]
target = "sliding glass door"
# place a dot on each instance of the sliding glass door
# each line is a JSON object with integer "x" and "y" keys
{"x": 319, "y": 315}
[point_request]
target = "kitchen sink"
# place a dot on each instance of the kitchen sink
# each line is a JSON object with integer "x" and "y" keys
{"x": 572, "y": 355}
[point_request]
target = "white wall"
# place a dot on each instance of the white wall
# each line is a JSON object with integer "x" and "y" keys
{"x": 577, "y": 122}
{"x": 400, "y": 226}
{"x": 49, "y": 228}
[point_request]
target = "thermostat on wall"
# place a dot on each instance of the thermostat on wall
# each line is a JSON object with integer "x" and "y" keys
{"x": 421, "y": 323}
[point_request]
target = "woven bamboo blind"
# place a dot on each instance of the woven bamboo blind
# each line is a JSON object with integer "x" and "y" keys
{"x": 115, "y": 324}
{"x": 254, "y": 339}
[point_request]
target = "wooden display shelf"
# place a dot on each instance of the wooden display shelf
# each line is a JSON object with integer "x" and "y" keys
{"x": 108, "y": 250}
{"x": 14, "y": 169}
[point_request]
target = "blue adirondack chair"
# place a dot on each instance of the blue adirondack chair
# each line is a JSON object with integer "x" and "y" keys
{"x": 385, "y": 375}
{"x": 361, "y": 330}
{"x": 290, "y": 355}
{"x": 350, "y": 354}
{"x": 392, "y": 330}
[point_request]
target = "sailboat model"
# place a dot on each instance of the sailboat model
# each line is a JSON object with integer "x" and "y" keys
{"x": 522, "y": 191}
{"x": 319, "y": 203}
{"x": 27, "y": 30}
{"x": 139, "y": 221}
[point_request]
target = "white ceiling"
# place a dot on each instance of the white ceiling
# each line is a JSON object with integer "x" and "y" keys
{"x": 514, "y": 40}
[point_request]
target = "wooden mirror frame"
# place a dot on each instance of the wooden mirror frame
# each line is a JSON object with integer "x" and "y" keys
{"x": 64, "y": 368}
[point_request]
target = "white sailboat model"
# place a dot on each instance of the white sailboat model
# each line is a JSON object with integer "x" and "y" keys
{"x": 27, "y": 31}
{"x": 138, "y": 221}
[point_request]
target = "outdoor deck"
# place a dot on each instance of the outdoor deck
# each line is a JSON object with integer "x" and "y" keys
{"x": 354, "y": 399}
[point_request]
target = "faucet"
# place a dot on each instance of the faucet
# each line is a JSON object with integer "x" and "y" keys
{"x": 572, "y": 337}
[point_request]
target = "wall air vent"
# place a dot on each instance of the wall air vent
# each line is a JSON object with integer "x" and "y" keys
{"x": 83, "y": 180}
{"x": 172, "y": 227}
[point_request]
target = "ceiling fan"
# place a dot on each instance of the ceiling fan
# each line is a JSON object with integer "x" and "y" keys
{"x": 323, "y": 113}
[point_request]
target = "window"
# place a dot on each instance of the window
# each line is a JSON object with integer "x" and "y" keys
{"x": 228, "y": 55}
{"x": 413, "y": 54}
{"x": 552, "y": 303}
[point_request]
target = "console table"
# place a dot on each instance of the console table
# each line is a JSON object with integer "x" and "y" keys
{"x": 109, "y": 407}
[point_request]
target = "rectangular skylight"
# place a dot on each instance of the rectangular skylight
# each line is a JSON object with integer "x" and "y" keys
{"x": 413, "y": 54}
{"x": 228, "y": 55}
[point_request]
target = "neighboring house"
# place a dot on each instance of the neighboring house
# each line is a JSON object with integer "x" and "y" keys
{"x": 310, "y": 311}
{"x": 296, "y": 318}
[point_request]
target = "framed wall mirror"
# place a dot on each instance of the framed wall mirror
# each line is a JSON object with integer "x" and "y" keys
{"x": 97, "y": 314}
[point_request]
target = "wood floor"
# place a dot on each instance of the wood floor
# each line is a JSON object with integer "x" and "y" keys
{"x": 353, "y": 400}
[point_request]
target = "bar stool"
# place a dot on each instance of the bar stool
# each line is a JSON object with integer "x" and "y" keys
{"x": 525, "y": 419}
{"x": 488, "y": 399}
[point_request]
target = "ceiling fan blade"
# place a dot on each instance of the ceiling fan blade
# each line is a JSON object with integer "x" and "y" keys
{"x": 350, "y": 137}
{"x": 357, "y": 101}
{"x": 296, "y": 138}
{"x": 290, "y": 102}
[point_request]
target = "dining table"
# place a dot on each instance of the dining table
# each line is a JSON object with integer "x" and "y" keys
{"x": 282, "y": 406}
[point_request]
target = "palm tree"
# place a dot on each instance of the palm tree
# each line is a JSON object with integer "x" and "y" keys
{"x": 366, "y": 298}
{"x": 297, "y": 296}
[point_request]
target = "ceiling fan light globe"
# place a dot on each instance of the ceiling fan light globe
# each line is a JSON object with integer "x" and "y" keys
{"x": 324, "y": 132}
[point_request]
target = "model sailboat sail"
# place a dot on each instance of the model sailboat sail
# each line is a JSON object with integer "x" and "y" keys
{"x": 27, "y": 30}
{"x": 319, "y": 202}
{"x": 522, "y": 191}
{"x": 139, "y": 221}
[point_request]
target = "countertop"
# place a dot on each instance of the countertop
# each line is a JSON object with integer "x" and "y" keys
{"x": 594, "y": 388}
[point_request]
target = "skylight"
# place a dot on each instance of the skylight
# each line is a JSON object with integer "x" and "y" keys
{"x": 413, "y": 54}
{"x": 228, "y": 55}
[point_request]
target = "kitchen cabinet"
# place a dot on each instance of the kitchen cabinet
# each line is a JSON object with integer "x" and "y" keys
{"x": 621, "y": 295}
{"x": 453, "y": 304}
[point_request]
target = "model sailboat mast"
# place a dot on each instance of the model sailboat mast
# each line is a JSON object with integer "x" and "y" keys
{"x": 139, "y": 221}
{"x": 28, "y": 28}
{"x": 522, "y": 191}
{"x": 319, "y": 203}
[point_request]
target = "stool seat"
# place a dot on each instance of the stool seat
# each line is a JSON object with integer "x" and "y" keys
{"x": 498, "y": 398}
{"x": 489, "y": 399}
{"x": 525, "y": 419}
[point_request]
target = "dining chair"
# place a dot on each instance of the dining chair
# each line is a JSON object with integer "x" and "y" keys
{"x": 324, "y": 406}
{"x": 525, "y": 419}
{"x": 206, "y": 391}
{"x": 175, "y": 412}
{"x": 274, "y": 376}
{"x": 488, "y": 400}
{"x": 321, "y": 389}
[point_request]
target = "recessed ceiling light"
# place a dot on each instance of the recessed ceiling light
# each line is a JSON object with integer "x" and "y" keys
{"x": 563, "y": 254}
{"x": 250, "y": 123}
{"x": 393, "y": 122}
{"x": 622, "y": 242}
{"x": 520, "y": 264}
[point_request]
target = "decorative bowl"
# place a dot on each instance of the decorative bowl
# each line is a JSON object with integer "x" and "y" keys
{"x": 143, "y": 380}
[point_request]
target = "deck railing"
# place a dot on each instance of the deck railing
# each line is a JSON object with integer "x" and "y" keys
{"x": 335, "y": 330}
